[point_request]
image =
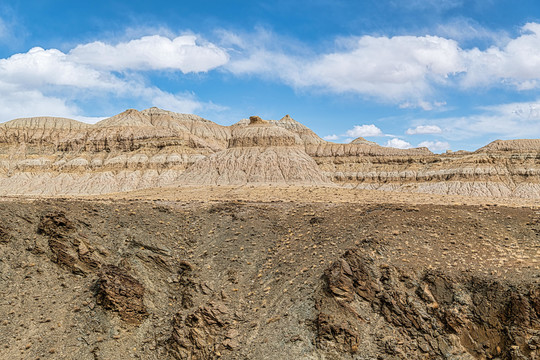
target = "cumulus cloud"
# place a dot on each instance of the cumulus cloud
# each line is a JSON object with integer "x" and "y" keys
{"x": 398, "y": 143}
{"x": 182, "y": 53}
{"x": 435, "y": 146}
{"x": 424, "y": 129}
{"x": 405, "y": 70}
{"x": 364, "y": 131}
{"x": 332, "y": 137}
{"x": 393, "y": 69}
{"x": 39, "y": 67}
{"x": 50, "y": 82}
{"x": 25, "y": 103}
{"x": 517, "y": 63}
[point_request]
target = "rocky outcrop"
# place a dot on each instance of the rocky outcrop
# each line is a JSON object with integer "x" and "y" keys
{"x": 428, "y": 315}
{"x": 307, "y": 135}
{"x": 121, "y": 293}
{"x": 202, "y": 334}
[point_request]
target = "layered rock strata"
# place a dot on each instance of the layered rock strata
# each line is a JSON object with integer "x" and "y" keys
{"x": 259, "y": 153}
{"x": 159, "y": 148}
{"x": 131, "y": 150}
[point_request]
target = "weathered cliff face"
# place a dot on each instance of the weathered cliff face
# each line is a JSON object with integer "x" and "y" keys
{"x": 427, "y": 315}
{"x": 154, "y": 147}
{"x": 486, "y": 173}
{"x": 131, "y": 150}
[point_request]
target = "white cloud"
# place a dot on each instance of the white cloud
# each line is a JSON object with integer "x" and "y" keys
{"x": 424, "y": 129}
{"x": 332, "y": 137}
{"x": 516, "y": 64}
{"x": 183, "y": 53}
{"x": 435, "y": 146}
{"x": 26, "y": 103}
{"x": 364, "y": 131}
{"x": 398, "y": 143}
{"x": 405, "y": 70}
{"x": 393, "y": 69}
{"x": 50, "y": 82}
{"x": 39, "y": 67}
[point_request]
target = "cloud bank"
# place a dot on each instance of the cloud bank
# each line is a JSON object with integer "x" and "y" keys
{"x": 404, "y": 70}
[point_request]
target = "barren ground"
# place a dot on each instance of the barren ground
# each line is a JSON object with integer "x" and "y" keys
{"x": 269, "y": 273}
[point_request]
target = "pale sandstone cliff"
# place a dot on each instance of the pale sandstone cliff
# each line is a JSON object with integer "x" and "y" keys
{"x": 306, "y": 134}
{"x": 159, "y": 148}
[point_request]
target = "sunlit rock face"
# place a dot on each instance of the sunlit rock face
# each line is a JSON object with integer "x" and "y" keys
{"x": 159, "y": 148}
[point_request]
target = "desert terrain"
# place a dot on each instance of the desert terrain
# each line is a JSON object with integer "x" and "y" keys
{"x": 155, "y": 235}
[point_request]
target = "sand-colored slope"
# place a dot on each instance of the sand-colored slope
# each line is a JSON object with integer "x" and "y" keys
{"x": 159, "y": 148}
{"x": 259, "y": 153}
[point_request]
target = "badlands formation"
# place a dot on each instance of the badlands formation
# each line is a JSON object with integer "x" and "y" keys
{"x": 156, "y": 235}
{"x": 155, "y": 148}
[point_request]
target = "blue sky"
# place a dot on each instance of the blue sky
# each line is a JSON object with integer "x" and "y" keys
{"x": 447, "y": 74}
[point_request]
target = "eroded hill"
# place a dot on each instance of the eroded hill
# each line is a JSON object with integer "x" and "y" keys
{"x": 156, "y": 148}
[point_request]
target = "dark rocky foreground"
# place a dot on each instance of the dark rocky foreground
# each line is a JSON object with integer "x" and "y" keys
{"x": 236, "y": 280}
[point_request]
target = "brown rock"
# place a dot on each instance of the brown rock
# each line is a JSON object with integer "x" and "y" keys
{"x": 120, "y": 292}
